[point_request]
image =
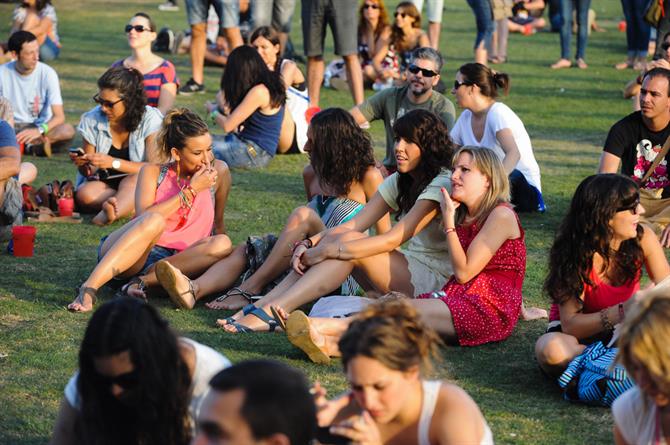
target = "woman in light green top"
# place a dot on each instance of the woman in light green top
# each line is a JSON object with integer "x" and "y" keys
{"x": 321, "y": 262}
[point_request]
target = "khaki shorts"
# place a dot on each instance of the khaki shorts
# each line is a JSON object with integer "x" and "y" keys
{"x": 656, "y": 210}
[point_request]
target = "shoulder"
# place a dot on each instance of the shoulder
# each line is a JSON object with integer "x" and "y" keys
{"x": 631, "y": 121}
{"x": 386, "y": 32}
{"x": 118, "y": 63}
{"x": 649, "y": 240}
{"x": 152, "y": 118}
{"x": 92, "y": 116}
{"x": 221, "y": 167}
{"x": 503, "y": 216}
{"x": 372, "y": 175}
{"x": 45, "y": 70}
{"x": 455, "y": 410}
{"x": 630, "y": 410}
{"x": 150, "y": 172}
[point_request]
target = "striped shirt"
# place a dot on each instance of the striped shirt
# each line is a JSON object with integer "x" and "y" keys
{"x": 154, "y": 79}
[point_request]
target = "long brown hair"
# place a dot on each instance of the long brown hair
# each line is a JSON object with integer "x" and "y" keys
{"x": 397, "y": 34}
{"x": 382, "y": 23}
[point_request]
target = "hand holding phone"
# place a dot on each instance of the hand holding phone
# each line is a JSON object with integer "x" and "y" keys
{"x": 77, "y": 151}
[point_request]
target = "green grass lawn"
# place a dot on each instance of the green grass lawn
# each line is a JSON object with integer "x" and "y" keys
{"x": 567, "y": 114}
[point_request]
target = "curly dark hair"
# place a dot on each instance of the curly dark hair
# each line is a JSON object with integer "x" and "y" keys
{"x": 129, "y": 84}
{"x": 586, "y": 230}
{"x": 431, "y": 134}
{"x": 340, "y": 150}
{"x": 155, "y": 409}
{"x": 245, "y": 70}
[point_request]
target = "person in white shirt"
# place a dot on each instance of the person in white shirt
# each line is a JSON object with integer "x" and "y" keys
{"x": 488, "y": 123}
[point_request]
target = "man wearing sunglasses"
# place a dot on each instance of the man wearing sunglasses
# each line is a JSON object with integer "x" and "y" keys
{"x": 418, "y": 93}
{"x": 257, "y": 401}
{"x": 33, "y": 90}
{"x": 636, "y": 141}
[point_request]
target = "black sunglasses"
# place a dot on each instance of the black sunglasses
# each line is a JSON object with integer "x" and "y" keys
{"x": 458, "y": 84}
{"x": 105, "y": 103}
{"x": 665, "y": 46}
{"x": 370, "y": 6}
{"x": 416, "y": 70}
{"x": 137, "y": 28}
{"x": 126, "y": 381}
{"x": 401, "y": 14}
{"x": 632, "y": 207}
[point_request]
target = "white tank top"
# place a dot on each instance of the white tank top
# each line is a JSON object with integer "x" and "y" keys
{"x": 431, "y": 390}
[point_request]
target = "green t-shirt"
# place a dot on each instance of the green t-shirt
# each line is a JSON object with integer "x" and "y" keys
{"x": 392, "y": 103}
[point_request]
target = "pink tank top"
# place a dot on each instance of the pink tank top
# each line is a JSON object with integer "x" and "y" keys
{"x": 601, "y": 295}
{"x": 184, "y": 227}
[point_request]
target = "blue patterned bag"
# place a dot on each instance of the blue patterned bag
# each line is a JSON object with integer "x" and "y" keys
{"x": 591, "y": 377}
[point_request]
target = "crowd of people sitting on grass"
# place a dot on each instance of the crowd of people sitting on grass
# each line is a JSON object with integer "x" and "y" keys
{"x": 422, "y": 249}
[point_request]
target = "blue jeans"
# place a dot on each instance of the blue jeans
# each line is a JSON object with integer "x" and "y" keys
{"x": 484, "y": 20}
{"x": 582, "y": 7}
{"x": 238, "y": 153}
{"x": 49, "y": 50}
{"x": 637, "y": 30}
{"x": 525, "y": 197}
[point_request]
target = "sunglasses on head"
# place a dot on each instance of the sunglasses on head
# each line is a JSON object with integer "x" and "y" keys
{"x": 370, "y": 6}
{"x": 137, "y": 28}
{"x": 633, "y": 207}
{"x": 126, "y": 381}
{"x": 105, "y": 103}
{"x": 416, "y": 70}
{"x": 458, "y": 84}
{"x": 401, "y": 14}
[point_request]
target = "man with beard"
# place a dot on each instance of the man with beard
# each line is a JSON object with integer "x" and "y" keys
{"x": 635, "y": 142}
{"x": 390, "y": 104}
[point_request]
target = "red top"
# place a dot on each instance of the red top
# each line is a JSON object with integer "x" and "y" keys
{"x": 154, "y": 79}
{"x": 601, "y": 295}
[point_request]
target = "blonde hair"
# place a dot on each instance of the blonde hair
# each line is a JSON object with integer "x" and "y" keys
{"x": 490, "y": 165}
{"x": 391, "y": 331}
{"x": 643, "y": 337}
{"x": 179, "y": 124}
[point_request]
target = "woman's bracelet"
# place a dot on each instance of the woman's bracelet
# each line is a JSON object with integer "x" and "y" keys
{"x": 192, "y": 191}
{"x": 306, "y": 242}
{"x": 605, "y": 320}
{"x": 448, "y": 230}
{"x": 213, "y": 114}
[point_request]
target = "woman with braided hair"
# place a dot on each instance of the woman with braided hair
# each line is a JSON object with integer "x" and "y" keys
{"x": 179, "y": 205}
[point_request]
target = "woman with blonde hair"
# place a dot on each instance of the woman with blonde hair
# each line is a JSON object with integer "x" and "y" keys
{"x": 387, "y": 350}
{"x": 481, "y": 301}
{"x": 642, "y": 414}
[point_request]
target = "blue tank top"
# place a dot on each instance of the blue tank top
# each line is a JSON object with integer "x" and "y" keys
{"x": 263, "y": 130}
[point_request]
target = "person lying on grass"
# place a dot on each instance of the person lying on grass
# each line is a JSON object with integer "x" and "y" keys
{"x": 341, "y": 154}
{"x": 179, "y": 204}
{"x": 387, "y": 350}
{"x": 481, "y": 302}
{"x": 595, "y": 265}
{"x": 137, "y": 383}
{"x": 323, "y": 261}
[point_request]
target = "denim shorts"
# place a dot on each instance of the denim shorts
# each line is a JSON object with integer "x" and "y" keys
{"x": 238, "y": 153}
{"x": 157, "y": 253}
{"x": 49, "y": 50}
{"x": 227, "y": 10}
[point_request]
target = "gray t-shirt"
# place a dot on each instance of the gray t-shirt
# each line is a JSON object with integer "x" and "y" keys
{"x": 33, "y": 95}
{"x": 392, "y": 103}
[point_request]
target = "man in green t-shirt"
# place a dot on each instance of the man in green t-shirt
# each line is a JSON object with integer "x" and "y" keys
{"x": 389, "y": 104}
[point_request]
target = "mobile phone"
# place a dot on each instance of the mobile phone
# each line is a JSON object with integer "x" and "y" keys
{"x": 325, "y": 437}
{"x": 77, "y": 151}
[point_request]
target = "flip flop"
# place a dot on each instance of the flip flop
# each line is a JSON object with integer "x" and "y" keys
{"x": 246, "y": 310}
{"x": 167, "y": 276}
{"x": 297, "y": 331}
{"x": 261, "y": 315}
{"x": 124, "y": 291}
{"x": 233, "y": 292}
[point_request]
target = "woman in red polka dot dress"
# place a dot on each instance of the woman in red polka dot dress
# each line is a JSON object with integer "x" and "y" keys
{"x": 487, "y": 249}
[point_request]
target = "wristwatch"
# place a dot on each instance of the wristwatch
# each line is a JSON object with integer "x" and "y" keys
{"x": 116, "y": 164}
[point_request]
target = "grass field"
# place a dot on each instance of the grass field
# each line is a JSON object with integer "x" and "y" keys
{"x": 567, "y": 114}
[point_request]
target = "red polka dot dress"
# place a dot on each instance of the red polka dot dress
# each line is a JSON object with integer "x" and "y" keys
{"x": 486, "y": 308}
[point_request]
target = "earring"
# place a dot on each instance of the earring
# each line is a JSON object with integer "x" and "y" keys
{"x": 178, "y": 173}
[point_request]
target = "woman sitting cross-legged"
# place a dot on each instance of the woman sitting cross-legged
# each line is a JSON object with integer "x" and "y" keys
{"x": 118, "y": 137}
{"x": 250, "y": 108}
{"x": 323, "y": 261}
{"x": 179, "y": 204}
{"x": 481, "y": 301}
{"x": 386, "y": 352}
{"x": 595, "y": 266}
{"x": 137, "y": 383}
{"x": 341, "y": 154}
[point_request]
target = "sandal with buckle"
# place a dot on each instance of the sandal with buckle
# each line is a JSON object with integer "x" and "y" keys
{"x": 261, "y": 315}
{"x": 78, "y": 304}
{"x": 234, "y": 292}
{"x": 167, "y": 276}
{"x": 129, "y": 287}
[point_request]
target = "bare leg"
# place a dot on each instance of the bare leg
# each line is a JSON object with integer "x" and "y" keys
{"x": 122, "y": 205}
{"x": 287, "y": 133}
{"x": 555, "y": 350}
{"x": 198, "y": 48}
{"x": 480, "y": 54}
{"x": 61, "y": 133}
{"x": 234, "y": 38}
{"x": 92, "y": 194}
{"x": 124, "y": 252}
{"x": 434, "y": 35}
{"x": 355, "y": 77}
{"x": 436, "y": 314}
{"x": 222, "y": 274}
{"x": 28, "y": 173}
{"x": 315, "y": 69}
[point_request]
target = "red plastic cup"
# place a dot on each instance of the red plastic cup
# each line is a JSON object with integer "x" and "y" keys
{"x": 23, "y": 239}
{"x": 622, "y": 26}
{"x": 310, "y": 112}
{"x": 22, "y": 147}
{"x": 65, "y": 206}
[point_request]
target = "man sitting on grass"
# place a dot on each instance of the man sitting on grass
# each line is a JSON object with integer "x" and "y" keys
{"x": 33, "y": 90}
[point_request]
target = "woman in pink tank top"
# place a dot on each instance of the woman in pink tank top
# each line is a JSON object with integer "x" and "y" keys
{"x": 595, "y": 267}
{"x": 179, "y": 207}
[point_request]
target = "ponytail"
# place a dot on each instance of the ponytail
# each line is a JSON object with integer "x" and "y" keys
{"x": 488, "y": 81}
{"x": 179, "y": 124}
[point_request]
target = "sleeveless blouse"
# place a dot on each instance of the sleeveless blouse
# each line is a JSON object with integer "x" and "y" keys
{"x": 185, "y": 226}
{"x": 263, "y": 130}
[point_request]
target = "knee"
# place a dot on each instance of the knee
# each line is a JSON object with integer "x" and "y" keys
{"x": 552, "y": 350}
{"x": 219, "y": 246}
{"x": 85, "y": 197}
{"x": 67, "y": 131}
{"x": 301, "y": 215}
{"x": 152, "y": 222}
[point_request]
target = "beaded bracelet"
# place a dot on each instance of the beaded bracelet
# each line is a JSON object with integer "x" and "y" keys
{"x": 605, "y": 320}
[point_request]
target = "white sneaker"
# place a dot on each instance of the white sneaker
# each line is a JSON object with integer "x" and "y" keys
{"x": 167, "y": 6}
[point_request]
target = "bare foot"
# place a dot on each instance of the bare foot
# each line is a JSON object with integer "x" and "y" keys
{"x": 302, "y": 334}
{"x": 233, "y": 300}
{"x": 179, "y": 287}
{"x": 562, "y": 63}
{"x": 85, "y": 299}
{"x": 533, "y": 313}
{"x": 111, "y": 209}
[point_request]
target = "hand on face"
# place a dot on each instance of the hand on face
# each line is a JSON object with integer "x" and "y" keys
{"x": 204, "y": 178}
{"x": 361, "y": 429}
{"x": 448, "y": 207}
